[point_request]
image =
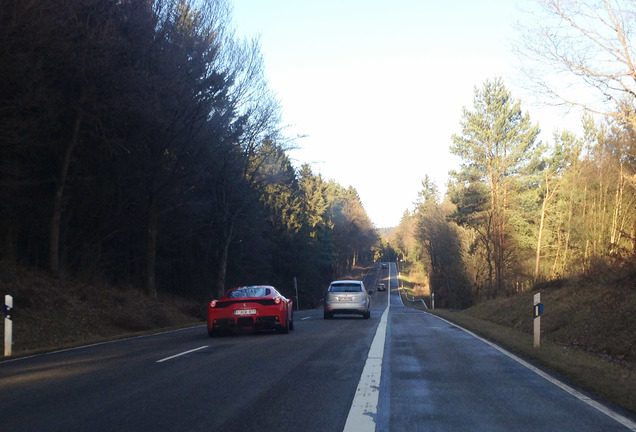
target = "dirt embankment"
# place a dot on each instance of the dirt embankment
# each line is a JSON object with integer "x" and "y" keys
{"x": 596, "y": 317}
{"x": 52, "y": 313}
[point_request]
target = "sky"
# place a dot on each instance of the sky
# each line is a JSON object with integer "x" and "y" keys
{"x": 376, "y": 88}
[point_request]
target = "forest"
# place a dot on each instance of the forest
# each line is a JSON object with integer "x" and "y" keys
{"x": 520, "y": 211}
{"x": 140, "y": 145}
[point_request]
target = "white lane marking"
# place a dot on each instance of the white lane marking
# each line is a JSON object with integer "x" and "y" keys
{"x": 602, "y": 408}
{"x": 306, "y": 318}
{"x": 180, "y": 354}
{"x": 364, "y": 407}
{"x": 16, "y": 359}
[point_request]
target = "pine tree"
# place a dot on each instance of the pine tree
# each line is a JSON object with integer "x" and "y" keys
{"x": 497, "y": 144}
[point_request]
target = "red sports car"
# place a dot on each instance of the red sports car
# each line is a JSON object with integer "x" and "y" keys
{"x": 258, "y": 307}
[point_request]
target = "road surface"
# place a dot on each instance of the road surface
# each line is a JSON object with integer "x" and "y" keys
{"x": 401, "y": 370}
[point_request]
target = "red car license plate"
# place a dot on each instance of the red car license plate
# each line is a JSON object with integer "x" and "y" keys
{"x": 245, "y": 312}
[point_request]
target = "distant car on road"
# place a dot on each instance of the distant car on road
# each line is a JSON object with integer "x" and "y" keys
{"x": 347, "y": 297}
{"x": 384, "y": 265}
{"x": 258, "y": 307}
{"x": 381, "y": 287}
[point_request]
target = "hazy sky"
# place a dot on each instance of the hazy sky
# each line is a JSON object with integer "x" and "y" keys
{"x": 378, "y": 87}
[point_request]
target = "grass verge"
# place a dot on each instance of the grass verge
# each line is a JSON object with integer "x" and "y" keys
{"x": 59, "y": 313}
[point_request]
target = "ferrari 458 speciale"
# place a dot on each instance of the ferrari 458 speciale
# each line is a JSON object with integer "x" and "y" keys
{"x": 258, "y": 307}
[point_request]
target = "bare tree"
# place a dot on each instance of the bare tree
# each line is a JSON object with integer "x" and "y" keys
{"x": 580, "y": 53}
{"x": 258, "y": 120}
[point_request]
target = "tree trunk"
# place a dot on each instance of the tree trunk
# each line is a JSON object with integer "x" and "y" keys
{"x": 221, "y": 269}
{"x": 548, "y": 196}
{"x": 539, "y": 239}
{"x": 633, "y": 233}
{"x": 219, "y": 286}
{"x": 568, "y": 235}
{"x": 56, "y": 217}
{"x": 616, "y": 231}
{"x": 151, "y": 246}
{"x": 557, "y": 255}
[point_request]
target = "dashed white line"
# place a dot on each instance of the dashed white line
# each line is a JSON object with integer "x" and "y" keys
{"x": 181, "y": 354}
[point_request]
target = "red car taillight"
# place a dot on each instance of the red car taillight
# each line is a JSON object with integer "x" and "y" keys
{"x": 277, "y": 300}
{"x": 213, "y": 303}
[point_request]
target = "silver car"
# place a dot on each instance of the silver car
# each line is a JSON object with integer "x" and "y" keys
{"x": 347, "y": 297}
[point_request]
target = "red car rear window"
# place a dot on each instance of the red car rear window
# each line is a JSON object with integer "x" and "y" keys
{"x": 249, "y": 292}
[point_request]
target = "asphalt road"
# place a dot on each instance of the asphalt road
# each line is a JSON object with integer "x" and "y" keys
{"x": 433, "y": 377}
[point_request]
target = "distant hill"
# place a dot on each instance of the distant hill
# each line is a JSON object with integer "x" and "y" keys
{"x": 385, "y": 232}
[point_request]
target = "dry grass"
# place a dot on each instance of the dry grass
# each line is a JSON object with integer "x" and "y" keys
{"x": 415, "y": 280}
{"x": 54, "y": 313}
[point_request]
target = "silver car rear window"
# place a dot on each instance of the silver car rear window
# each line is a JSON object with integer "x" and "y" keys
{"x": 346, "y": 287}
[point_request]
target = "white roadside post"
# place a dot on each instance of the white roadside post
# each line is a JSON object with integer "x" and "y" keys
{"x": 538, "y": 310}
{"x": 8, "y": 325}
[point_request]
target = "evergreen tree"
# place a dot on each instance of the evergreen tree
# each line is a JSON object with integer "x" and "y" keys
{"x": 497, "y": 145}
